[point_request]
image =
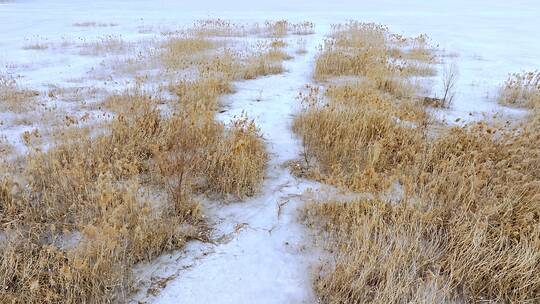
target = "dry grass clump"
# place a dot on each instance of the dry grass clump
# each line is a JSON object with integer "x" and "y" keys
{"x": 94, "y": 24}
{"x": 484, "y": 183}
{"x": 93, "y": 208}
{"x": 281, "y": 28}
{"x": 267, "y": 59}
{"x": 109, "y": 44}
{"x": 221, "y": 28}
{"x": 239, "y": 160}
{"x": 202, "y": 92}
{"x": 360, "y": 139}
{"x": 5, "y": 148}
{"x": 301, "y": 47}
{"x": 371, "y": 50}
{"x": 364, "y": 132}
{"x": 466, "y": 223}
{"x": 225, "y": 28}
{"x": 75, "y": 93}
{"x": 383, "y": 254}
{"x": 127, "y": 101}
{"x": 216, "y": 73}
{"x": 263, "y": 64}
{"x": 13, "y": 98}
{"x": 303, "y": 28}
{"x": 470, "y": 231}
{"x": 36, "y": 46}
{"x": 521, "y": 90}
{"x": 181, "y": 52}
{"x": 82, "y": 222}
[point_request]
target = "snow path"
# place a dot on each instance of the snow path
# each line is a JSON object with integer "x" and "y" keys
{"x": 264, "y": 254}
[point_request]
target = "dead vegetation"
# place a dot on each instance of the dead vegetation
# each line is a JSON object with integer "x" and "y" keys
{"x": 36, "y": 46}
{"x": 76, "y": 217}
{"x": 96, "y": 206}
{"x": 465, "y": 227}
{"x": 270, "y": 28}
{"x": 221, "y": 28}
{"x": 105, "y": 45}
{"x": 370, "y": 50}
{"x": 13, "y": 97}
{"x": 301, "y": 47}
{"x": 380, "y": 105}
{"x": 468, "y": 231}
{"x": 182, "y": 52}
{"x": 94, "y": 24}
{"x": 521, "y": 90}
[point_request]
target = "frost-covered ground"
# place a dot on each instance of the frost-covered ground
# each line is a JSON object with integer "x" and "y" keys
{"x": 261, "y": 253}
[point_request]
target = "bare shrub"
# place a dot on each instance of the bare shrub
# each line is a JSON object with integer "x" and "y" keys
{"x": 449, "y": 81}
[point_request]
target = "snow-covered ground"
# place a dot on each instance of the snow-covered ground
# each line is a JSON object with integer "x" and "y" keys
{"x": 487, "y": 39}
{"x": 262, "y": 253}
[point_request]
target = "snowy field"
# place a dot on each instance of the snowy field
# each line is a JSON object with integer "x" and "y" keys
{"x": 487, "y": 39}
{"x": 264, "y": 254}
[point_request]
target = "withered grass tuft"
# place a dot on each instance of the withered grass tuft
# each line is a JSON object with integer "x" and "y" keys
{"x": 76, "y": 217}
{"x": 466, "y": 225}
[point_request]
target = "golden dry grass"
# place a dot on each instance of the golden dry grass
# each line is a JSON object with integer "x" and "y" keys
{"x": 521, "y": 90}
{"x": 360, "y": 144}
{"x": 468, "y": 232}
{"x": 366, "y": 49}
{"x": 181, "y": 52}
{"x": 103, "y": 190}
{"x": 76, "y": 217}
{"x": 88, "y": 190}
{"x": 465, "y": 227}
{"x": 383, "y": 254}
{"x": 263, "y": 64}
{"x": 221, "y": 28}
{"x": 13, "y": 97}
{"x": 105, "y": 45}
{"x": 363, "y": 132}
{"x": 281, "y": 28}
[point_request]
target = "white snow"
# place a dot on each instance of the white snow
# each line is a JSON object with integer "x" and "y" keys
{"x": 263, "y": 253}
